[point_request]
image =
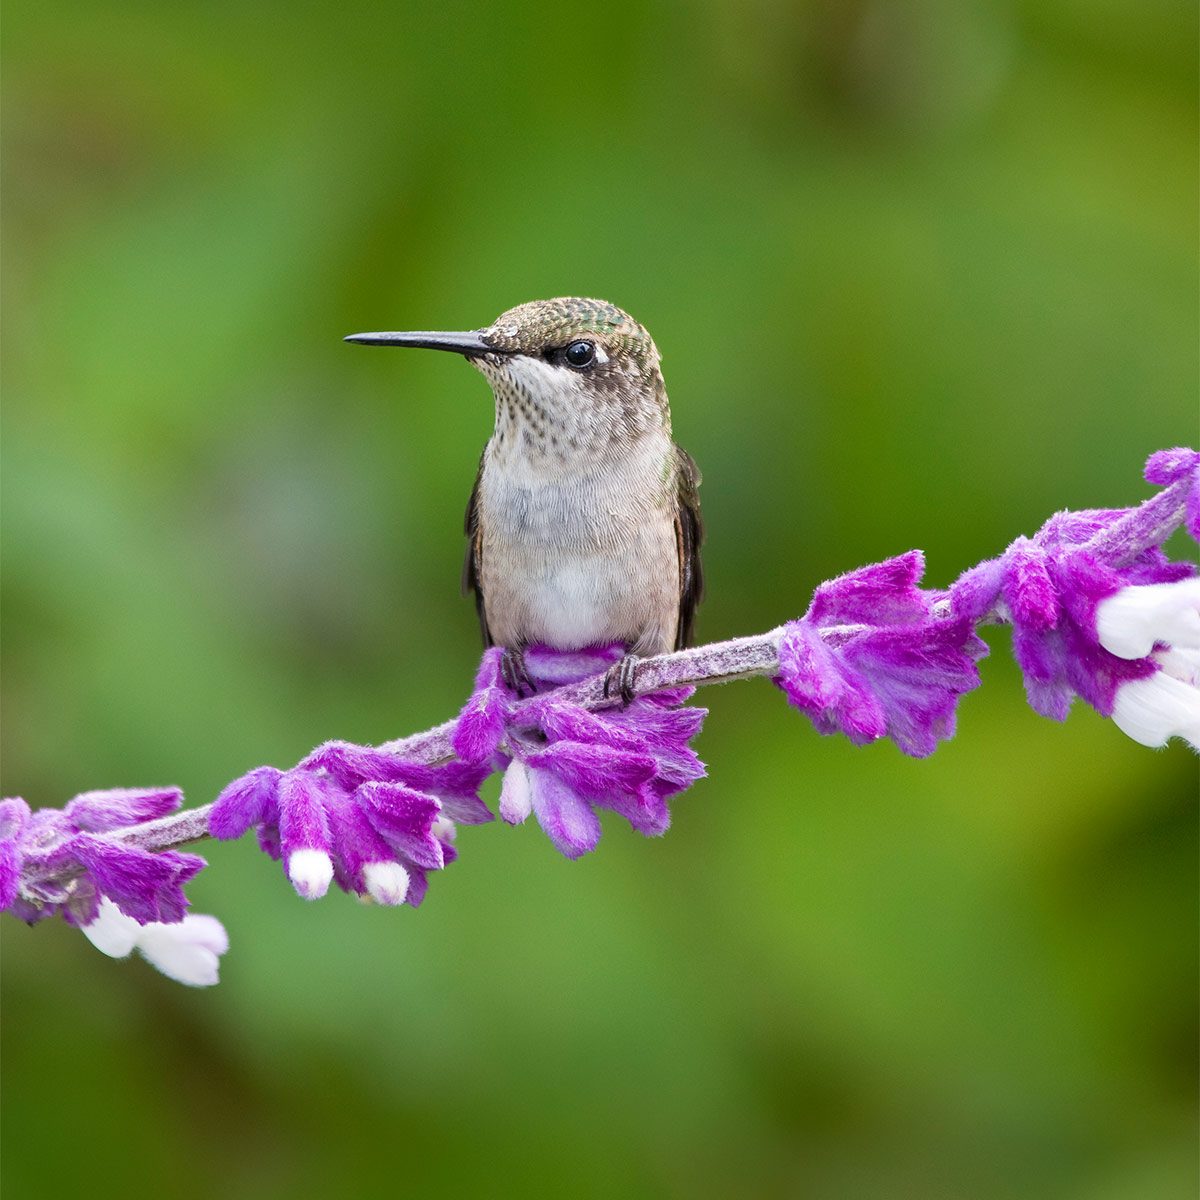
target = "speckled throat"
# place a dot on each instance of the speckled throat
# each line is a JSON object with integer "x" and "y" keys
{"x": 551, "y": 422}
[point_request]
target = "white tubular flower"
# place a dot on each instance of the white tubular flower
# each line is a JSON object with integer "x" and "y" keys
{"x": 386, "y": 882}
{"x": 1130, "y": 624}
{"x": 516, "y": 799}
{"x": 311, "y": 872}
{"x": 187, "y": 951}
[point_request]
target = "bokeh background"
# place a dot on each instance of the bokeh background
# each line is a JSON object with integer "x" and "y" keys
{"x": 922, "y": 272}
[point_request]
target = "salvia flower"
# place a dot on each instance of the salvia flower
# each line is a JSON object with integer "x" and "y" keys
{"x": 358, "y": 816}
{"x": 63, "y": 861}
{"x": 875, "y": 657}
{"x": 187, "y": 951}
{"x": 1085, "y": 601}
{"x": 1158, "y": 624}
{"x": 562, "y": 762}
{"x": 73, "y": 862}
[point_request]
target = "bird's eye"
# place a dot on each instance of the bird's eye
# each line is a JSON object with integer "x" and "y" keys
{"x": 580, "y": 354}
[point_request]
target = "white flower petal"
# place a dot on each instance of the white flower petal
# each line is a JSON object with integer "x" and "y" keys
{"x": 187, "y": 951}
{"x": 1129, "y": 623}
{"x": 112, "y": 932}
{"x": 311, "y": 872}
{"x": 1181, "y": 664}
{"x": 516, "y": 800}
{"x": 387, "y": 882}
{"x": 1153, "y": 710}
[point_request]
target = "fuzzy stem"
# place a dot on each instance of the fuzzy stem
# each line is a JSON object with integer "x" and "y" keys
{"x": 718, "y": 662}
{"x": 1149, "y": 524}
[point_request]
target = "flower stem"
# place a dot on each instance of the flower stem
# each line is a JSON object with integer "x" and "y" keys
{"x": 1149, "y": 524}
{"x": 717, "y": 662}
{"x": 1146, "y": 525}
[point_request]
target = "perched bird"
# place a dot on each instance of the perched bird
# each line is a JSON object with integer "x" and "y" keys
{"x": 584, "y": 523}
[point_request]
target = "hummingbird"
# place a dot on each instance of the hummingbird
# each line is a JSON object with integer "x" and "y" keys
{"x": 583, "y": 526}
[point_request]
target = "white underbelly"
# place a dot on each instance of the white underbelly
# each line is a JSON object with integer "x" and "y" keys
{"x": 579, "y": 560}
{"x": 580, "y": 602}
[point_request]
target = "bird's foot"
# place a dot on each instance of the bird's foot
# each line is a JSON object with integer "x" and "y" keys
{"x": 515, "y": 674}
{"x": 620, "y": 678}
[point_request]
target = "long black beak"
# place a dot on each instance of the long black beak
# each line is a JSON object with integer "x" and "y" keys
{"x": 470, "y": 343}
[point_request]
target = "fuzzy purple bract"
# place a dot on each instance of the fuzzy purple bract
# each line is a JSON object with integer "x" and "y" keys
{"x": 562, "y": 762}
{"x": 872, "y": 658}
{"x": 359, "y": 816}
{"x": 1049, "y": 587}
{"x": 1179, "y": 467}
{"x": 63, "y": 861}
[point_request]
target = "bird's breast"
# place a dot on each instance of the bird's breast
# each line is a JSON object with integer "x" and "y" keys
{"x": 580, "y": 558}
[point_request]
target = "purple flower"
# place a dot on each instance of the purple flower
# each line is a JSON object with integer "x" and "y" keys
{"x": 67, "y": 862}
{"x": 874, "y": 657}
{"x": 118, "y": 808}
{"x": 564, "y": 762}
{"x": 14, "y": 820}
{"x": 145, "y": 886}
{"x": 1180, "y": 468}
{"x": 1052, "y": 587}
{"x": 479, "y": 729}
{"x": 357, "y": 816}
{"x": 63, "y": 861}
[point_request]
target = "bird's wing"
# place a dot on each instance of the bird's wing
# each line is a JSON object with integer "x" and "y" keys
{"x": 689, "y": 533}
{"x": 470, "y": 575}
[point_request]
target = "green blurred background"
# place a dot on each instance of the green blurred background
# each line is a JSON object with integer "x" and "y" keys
{"x": 922, "y": 273}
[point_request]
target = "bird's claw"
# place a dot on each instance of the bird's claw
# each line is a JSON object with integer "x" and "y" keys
{"x": 515, "y": 674}
{"x": 620, "y": 678}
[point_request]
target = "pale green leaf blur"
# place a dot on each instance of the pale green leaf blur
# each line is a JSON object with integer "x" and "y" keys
{"x": 922, "y": 272}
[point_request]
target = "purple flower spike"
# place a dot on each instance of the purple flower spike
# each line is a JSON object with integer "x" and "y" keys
{"x": 14, "y": 820}
{"x": 119, "y": 808}
{"x": 871, "y": 658}
{"x": 1052, "y": 587}
{"x": 568, "y": 820}
{"x": 568, "y": 761}
{"x": 250, "y": 800}
{"x": 1172, "y": 467}
{"x": 480, "y": 728}
{"x": 362, "y": 817}
{"x": 145, "y": 886}
{"x": 1096, "y": 608}
{"x": 304, "y": 833}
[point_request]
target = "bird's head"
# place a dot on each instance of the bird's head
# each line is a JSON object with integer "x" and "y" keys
{"x": 577, "y": 366}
